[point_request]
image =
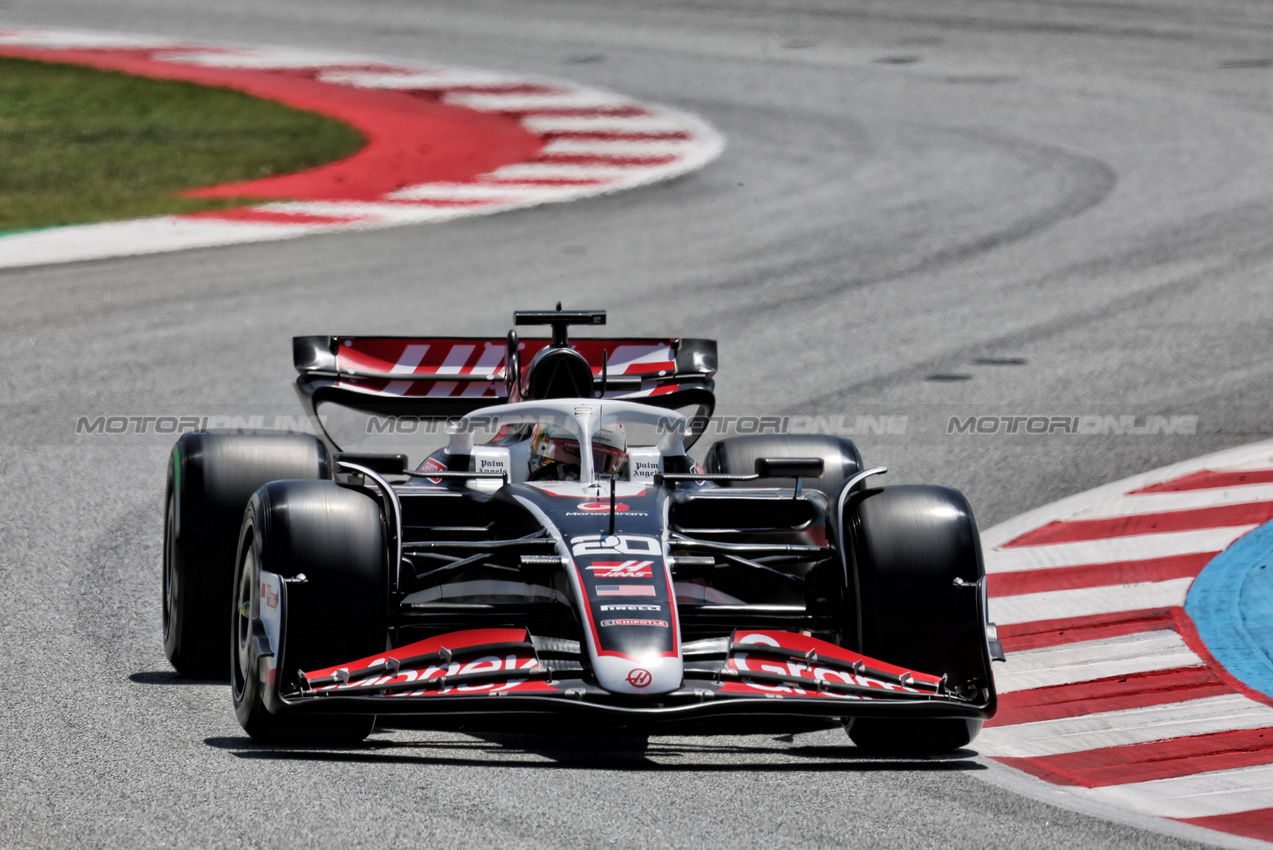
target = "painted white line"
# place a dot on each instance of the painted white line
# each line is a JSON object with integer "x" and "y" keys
{"x": 1136, "y": 547}
{"x": 141, "y": 236}
{"x": 1120, "y": 728}
{"x": 1184, "y": 500}
{"x": 1220, "y": 792}
{"x": 73, "y": 40}
{"x": 532, "y": 102}
{"x": 1085, "y": 661}
{"x": 1088, "y": 601}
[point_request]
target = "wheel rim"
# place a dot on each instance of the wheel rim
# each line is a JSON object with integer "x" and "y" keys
{"x": 243, "y": 624}
{"x": 170, "y": 551}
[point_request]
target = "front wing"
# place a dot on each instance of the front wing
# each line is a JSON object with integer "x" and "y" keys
{"x": 753, "y": 672}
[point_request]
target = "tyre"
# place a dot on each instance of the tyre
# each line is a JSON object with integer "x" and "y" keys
{"x": 211, "y": 476}
{"x": 335, "y": 537}
{"x": 737, "y": 456}
{"x": 917, "y": 599}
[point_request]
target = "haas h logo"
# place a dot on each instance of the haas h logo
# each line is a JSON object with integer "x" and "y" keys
{"x": 639, "y": 678}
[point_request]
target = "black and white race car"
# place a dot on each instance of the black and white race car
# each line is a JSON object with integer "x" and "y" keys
{"x": 562, "y": 554}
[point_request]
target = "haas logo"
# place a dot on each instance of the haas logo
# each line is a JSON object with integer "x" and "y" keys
{"x": 640, "y": 678}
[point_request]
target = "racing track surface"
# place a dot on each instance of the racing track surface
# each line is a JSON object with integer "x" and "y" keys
{"x": 925, "y": 210}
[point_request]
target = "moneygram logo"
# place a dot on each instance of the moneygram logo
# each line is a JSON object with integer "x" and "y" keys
{"x": 600, "y": 507}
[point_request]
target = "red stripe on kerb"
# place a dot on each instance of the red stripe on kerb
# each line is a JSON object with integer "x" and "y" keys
{"x": 1097, "y": 575}
{"x": 1257, "y": 823}
{"x": 1111, "y": 694}
{"x": 1042, "y": 633}
{"x": 409, "y": 139}
{"x": 1206, "y": 479}
{"x": 1075, "y": 530}
{"x": 1108, "y": 766}
{"x": 251, "y": 215}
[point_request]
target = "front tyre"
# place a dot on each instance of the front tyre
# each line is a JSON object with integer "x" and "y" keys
{"x": 333, "y": 536}
{"x": 919, "y": 579}
{"x": 211, "y": 476}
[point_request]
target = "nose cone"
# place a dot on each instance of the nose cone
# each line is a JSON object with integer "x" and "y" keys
{"x": 646, "y": 677}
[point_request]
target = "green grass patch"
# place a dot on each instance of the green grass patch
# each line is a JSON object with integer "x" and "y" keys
{"x": 78, "y": 145}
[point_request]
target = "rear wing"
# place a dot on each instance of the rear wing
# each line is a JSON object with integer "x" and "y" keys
{"x": 447, "y": 377}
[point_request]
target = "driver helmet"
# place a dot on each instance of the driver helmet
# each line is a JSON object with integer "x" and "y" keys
{"x": 555, "y": 450}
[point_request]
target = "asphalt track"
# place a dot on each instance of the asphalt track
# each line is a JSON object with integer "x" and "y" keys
{"x": 971, "y": 209}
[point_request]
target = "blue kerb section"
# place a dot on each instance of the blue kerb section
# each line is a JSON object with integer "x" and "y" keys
{"x": 1231, "y": 604}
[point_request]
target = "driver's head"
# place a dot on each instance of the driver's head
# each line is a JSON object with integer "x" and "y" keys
{"x": 554, "y": 453}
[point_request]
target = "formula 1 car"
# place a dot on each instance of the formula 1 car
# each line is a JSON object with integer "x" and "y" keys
{"x": 563, "y": 555}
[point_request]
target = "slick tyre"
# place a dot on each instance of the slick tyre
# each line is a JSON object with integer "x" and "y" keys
{"x": 918, "y": 573}
{"x": 211, "y": 476}
{"x": 334, "y": 537}
{"x": 737, "y": 456}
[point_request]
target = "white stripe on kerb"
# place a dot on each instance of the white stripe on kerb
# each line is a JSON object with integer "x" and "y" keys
{"x": 1199, "y": 795}
{"x": 602, "y": 124}
{"x": 1136, "y": 547}
{"x": 551, "y": 171}
{"x": 371, "y": 213}
{"x": 619, "y": 147}
{"x": 1120, "y": 728}
{"x": 430, "y": 80}
{"x": 1184, "y": 500}
{"x": 1162, "y": 649}
{"x": 264, "y": 59}
{"x": 1088, "y": 601}
{"x": 532, "y": 102}
{"x": 470, "y": 192}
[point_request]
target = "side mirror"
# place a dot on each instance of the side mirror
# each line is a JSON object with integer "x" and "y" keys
{"x": 384, "y": 464}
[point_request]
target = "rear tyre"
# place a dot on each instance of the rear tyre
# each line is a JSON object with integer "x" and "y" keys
{"x": 335, "y": 537}
{"x": 737, "y": 456}
{"x": 210, "y": 479}
{"x": 910, "y": 544}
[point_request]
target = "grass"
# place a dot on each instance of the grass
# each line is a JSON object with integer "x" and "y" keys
{"x": 78, "y": 145}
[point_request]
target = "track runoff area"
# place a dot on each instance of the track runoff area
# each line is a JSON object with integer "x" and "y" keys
{"x": 1138, "y": 617}
{"x": 442, "y": 143}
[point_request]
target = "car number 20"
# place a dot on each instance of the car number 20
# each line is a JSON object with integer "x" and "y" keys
{"x": 618, "y": 544}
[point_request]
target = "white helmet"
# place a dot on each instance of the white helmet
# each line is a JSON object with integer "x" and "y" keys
{"x": 554, "y": 453}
